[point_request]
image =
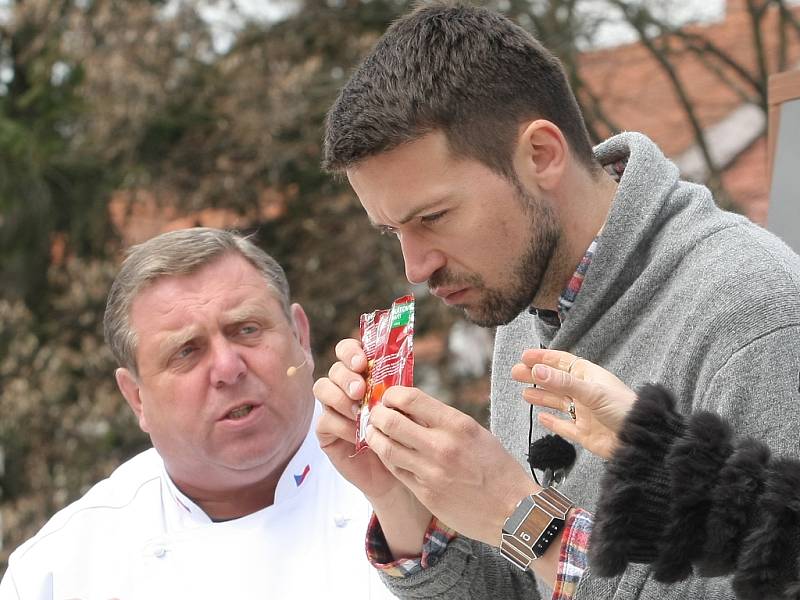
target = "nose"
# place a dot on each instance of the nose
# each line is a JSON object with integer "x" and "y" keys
{"x": 227, "y": 365}
{"x": 421, "y": 261}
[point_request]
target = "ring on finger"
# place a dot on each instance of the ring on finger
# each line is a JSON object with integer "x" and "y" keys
{"x": 571, "y": 410}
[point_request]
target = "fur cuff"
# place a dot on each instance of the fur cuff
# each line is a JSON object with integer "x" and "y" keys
{"x": 694, "y": 464}
{"x": 740, "y": 483}
{"x": 768, "y": 564}
{"x": 634, "y": 497}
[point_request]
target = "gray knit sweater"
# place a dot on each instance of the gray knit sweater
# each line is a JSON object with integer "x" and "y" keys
{"x": 680, "y": 293}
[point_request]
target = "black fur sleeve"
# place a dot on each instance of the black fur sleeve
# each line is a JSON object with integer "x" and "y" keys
{"x": 681, "y": 494}
{"x": 635, "y": 489}
{"x": 693, "y": 465}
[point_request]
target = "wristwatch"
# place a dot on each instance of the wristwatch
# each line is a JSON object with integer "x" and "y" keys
{"x": 534, "y": 524}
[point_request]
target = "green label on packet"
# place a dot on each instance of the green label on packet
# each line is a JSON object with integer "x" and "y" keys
{"x": 401, "y": 314}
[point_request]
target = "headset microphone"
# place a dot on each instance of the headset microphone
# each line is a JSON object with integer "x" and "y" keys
{"x": 292, "y": 370}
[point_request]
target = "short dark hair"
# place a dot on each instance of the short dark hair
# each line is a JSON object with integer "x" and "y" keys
{"x": 466, "y": 71}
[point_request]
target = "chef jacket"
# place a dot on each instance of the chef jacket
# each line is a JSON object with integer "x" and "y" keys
{"x": 135, "y": 536}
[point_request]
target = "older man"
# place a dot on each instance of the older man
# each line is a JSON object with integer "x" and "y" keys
{"x": 235, "y": 499}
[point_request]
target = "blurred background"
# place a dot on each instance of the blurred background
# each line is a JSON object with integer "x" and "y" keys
{"x": 123, "y": 119}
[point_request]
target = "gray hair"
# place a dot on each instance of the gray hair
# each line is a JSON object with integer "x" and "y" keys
{"x": 179, "y": 252}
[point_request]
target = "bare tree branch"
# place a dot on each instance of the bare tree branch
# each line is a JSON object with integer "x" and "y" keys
{"x": 783, "y": 43}
{"x": 639, "y": 18}
{"x": 756, "y": 13}
{"x": 788, "y": 16}
{"x": 701, "y": 45}
{"x": 596, "y": 111}
{"x": 724, "y": 77}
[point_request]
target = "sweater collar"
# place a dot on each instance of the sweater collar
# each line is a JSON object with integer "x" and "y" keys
{"x": 615, "y": 168}
{"x": 644, "y": 201}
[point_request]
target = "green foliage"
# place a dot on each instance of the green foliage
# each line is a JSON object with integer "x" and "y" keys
{"x": 48, "y": 184}
{"x": 64, "y": 425}
{"x": 108, "y": 96}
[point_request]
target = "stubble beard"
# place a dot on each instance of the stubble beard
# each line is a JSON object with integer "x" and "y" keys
{"x": 500, "y": 306}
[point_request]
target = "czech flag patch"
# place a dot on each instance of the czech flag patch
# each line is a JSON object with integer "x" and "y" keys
{"x": 299, "y": 479}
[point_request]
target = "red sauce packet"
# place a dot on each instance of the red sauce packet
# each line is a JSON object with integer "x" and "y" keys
{"x": 388, "y": 339}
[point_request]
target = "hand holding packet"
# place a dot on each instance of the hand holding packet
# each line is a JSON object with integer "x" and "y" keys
{"x": 387, "y": 337}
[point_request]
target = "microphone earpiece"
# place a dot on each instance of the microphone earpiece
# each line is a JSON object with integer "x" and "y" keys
{"x": 292, "y": 370}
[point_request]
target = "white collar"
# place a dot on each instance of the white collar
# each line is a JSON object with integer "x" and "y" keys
{"x": 297, "y": 477}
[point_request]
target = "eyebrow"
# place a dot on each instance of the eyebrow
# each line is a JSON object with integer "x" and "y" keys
{"x": 177, "y": 339}
{"x": 238, "y": 314}
{"x": 415, "y": 212}
{"x": 246, "y": 312}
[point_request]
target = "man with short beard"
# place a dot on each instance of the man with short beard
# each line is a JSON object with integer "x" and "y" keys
{"x": 460, "y": 135}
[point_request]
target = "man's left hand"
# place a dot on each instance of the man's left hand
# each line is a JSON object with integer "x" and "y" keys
{"x": 452, "y": 464}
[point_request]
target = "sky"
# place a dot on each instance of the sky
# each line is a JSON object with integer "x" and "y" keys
{"x": 227, "y": 15}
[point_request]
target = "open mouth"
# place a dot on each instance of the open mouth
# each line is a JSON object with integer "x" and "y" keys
{"x": 240, "y": 413}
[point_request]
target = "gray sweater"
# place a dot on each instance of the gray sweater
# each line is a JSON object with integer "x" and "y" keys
{"x": 680, "y": 293}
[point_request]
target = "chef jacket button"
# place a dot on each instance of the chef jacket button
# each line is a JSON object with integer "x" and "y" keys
{"x": 159, "y": 551}
{"x": 340, "y": 520}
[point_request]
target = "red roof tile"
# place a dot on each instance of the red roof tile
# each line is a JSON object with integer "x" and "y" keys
{"x": 637, "y": 94}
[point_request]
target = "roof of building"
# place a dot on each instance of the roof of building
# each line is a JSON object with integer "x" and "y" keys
{"x": 637, "y": 94}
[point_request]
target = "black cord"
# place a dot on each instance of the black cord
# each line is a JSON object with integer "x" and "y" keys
{"x": 530, "y": 443}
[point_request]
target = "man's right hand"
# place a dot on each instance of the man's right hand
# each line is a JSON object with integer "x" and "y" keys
{"x": 403, "y": 518}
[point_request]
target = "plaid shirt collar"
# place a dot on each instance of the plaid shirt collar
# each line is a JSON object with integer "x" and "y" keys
{"x": 554, "y": 318}
{"x": 570, "y": 293}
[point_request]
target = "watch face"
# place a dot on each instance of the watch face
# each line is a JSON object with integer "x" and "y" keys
{"x": 520, "y": 513}
{"x": 547, "y": 537}
{"x": 532, "y": 527}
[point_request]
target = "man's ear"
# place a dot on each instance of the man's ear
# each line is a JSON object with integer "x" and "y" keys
{"x": 542, "y": 155}
{"x": 129, "y": 386}
{"x": 302, "y": 329}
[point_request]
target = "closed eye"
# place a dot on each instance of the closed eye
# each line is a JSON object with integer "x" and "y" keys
{"x": 432, "y": 218}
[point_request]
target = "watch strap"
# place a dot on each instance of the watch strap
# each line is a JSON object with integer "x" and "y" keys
{"x": 535, "y": 523}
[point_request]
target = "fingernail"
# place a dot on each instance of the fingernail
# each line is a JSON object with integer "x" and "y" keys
{"x": 355, "y": 408}
{"x": 540, "y": 372}
{"x": 352, "y": 387}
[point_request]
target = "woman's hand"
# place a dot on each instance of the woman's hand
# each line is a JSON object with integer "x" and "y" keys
{"x": 601, "y": 400}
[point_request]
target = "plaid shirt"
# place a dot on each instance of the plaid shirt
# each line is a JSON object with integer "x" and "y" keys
{"x": 570, "y": 293}
{"x": 434, "y": 543}
{"x": 572, "y": 560}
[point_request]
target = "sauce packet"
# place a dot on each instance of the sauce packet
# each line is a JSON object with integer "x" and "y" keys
{"x": 388, "y": 339}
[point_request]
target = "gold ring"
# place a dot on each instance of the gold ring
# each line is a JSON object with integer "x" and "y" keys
{"x": 571, "y": 410}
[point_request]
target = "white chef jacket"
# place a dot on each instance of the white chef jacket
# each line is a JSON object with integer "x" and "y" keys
{"x": 135, "y": 536}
